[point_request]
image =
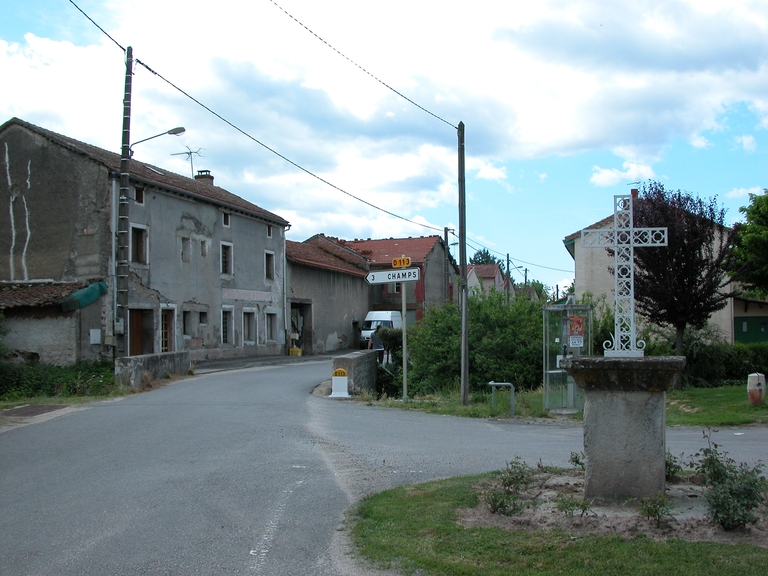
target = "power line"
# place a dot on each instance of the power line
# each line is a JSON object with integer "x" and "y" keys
{"x": 247, "y": 135}
{"x": 292, "y": 17}
{"x": 478, "y": 246}
{"x": 97, "y": 26}
{"x": 276, "y": 153}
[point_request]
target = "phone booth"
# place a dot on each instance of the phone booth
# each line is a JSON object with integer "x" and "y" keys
{"x": 567, "y": 332}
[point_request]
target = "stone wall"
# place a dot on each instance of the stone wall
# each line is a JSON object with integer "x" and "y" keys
{"x": 361, "y": 369}
{"x": 133, "y": 370}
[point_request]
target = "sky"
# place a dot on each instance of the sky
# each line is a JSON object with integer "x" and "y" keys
{"x": 341, "y": 116}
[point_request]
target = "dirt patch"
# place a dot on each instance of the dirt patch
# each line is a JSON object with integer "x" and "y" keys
{"x": 32, "y": 410}
{"x": 689, "y": 520}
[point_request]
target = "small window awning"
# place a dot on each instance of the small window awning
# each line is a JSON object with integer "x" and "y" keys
{"x": 83, "y": 297}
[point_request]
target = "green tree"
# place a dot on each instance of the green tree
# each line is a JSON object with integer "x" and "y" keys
{"x": 684, "y": 283}
{"x": 749, "y": 262}
{"x": 3, "y": 331}
{"x": 505, "y": 343}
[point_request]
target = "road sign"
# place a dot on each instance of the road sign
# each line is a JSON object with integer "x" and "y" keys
{"x": 403, "y": 262}
{"x": 386, "y": 276}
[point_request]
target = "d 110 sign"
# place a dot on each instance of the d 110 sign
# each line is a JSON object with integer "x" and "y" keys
{"x": 386, "y": 276}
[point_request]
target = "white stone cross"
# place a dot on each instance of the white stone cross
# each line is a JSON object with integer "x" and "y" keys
{"x": 622, "y": 239}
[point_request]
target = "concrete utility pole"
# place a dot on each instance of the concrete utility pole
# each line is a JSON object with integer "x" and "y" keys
{"x": 123, "y": 217}
{"x": 463, "y": 271}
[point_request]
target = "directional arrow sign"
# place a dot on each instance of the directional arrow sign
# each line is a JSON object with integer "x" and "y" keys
{"x": 386, "y": 276}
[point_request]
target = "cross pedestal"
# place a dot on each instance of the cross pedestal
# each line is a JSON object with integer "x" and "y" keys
{"x": 625, "y": 393}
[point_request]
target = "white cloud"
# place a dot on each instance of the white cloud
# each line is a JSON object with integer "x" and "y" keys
{"x": 743, "y": 192}
{"x": 633, "y": 170}
{"x": 542, "y": 175}
{"x": 699, "y": 141}
{"x": 747, "y": 142}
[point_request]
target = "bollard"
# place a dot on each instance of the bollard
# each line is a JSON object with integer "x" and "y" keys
{"x": 340, "y": 386}
{"x": 756, "y": 389}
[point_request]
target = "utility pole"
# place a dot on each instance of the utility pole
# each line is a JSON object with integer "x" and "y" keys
{"x": 123, "y": 216}
{"x": 446, "y": 268}
{"x": 508, "y": 279}
{"x": 463, "y": 271}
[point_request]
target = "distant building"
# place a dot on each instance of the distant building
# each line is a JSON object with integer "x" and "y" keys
{"x": 204, "y": 269}
{"x": 483, "y": 277}
{"x": 438, "y": 273}
{"x": 742, "y": 319}
{"x": 327, "y": 294}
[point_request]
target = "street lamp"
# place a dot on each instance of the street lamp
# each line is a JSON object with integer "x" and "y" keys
{"x": 173, "y": 132}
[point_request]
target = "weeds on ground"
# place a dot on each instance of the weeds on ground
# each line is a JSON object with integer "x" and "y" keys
{"x": 657, "y": 508}
{"x": 509, "y": 496}
{"x": 569, "y": 504}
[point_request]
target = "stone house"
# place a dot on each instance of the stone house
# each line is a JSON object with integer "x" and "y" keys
{"x": 438, "y": 273}
{"x": 204, "y": 268}
{"x": 327, "y": 294}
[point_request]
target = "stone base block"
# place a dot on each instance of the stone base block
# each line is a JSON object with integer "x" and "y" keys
{"x": 624, "y": 445}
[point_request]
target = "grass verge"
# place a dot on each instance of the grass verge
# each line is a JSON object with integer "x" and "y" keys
{"x": 713, "y": 407}
{"x": 415, "y": 529}
{"x": 529, "y": 403}
{"x": 702, "y": 407}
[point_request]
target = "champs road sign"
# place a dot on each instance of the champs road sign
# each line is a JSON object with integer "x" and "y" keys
{"x": 387, "y": 276}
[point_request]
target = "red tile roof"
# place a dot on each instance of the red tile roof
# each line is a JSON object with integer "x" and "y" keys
{"x": 382, "y": 252}
{"x": 38, "y": 294}
{"x": 484, "y": 270}
{"x": 326, "y": 253}
{"x": 153, "y": 175}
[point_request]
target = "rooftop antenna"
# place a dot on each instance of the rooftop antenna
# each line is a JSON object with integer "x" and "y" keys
{"x": 189, "y": 153}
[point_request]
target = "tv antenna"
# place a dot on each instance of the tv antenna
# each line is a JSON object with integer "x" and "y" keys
{"x": 189, "y": 153}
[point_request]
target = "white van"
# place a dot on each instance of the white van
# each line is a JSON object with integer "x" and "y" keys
{"x": 374, "y": 319}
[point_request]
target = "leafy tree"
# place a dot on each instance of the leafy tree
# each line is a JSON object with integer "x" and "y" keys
{"x": 749, "y": 263}
{"x": 505, "y": 343}
{"x": 684, "y": 283}
{"x": 485, "y": 257}
{"x": 3, "y": 331}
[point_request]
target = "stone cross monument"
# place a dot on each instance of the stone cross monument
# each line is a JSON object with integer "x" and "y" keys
{"x": 625, "y": 411}
{"x": 622, "y": 239}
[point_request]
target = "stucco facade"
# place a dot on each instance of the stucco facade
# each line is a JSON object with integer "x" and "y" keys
{"x": 327, "y": 295}
{"x": 205, "y": 268}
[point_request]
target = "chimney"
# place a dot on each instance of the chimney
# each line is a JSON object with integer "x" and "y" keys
{"x": 633, "y": 192}
{"x": 205, "y": 177}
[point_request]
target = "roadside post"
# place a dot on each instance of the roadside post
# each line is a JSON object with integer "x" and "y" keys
{"x": 399, "y": 273}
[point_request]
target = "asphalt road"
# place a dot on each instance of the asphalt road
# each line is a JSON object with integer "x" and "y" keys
{"x": 242, "y": 472}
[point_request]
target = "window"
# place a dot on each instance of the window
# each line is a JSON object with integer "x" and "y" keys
{"x": 269, "y": 230}
{"x": 139, "y": 245}
{"x": 249, "y": 327}
{"x": 271, "y": 321}
{"x": 226, "y": 327}
{"x": 204, "y": 248}
{"x": 203, "y": 319}
{"x": 186, "y": 323}
{"x": 186, "y": 249}
{"x": 745, "y": 326}
{"x": 269, "y": 265}
{"x": 138, "y": 195}
{"x": 166, "y": 330}
{"x": 226, "y": 258}
{"x": 225, "y": 219}
{"x": 396, "y": 288}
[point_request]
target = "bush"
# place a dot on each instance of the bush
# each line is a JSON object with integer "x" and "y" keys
{"x": 505, "y": 343}
{"x": 735, "y": 490}
{"x": 81, "y": 379}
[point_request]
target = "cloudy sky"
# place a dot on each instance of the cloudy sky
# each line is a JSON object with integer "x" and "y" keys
{"x": 566, "y": 103}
